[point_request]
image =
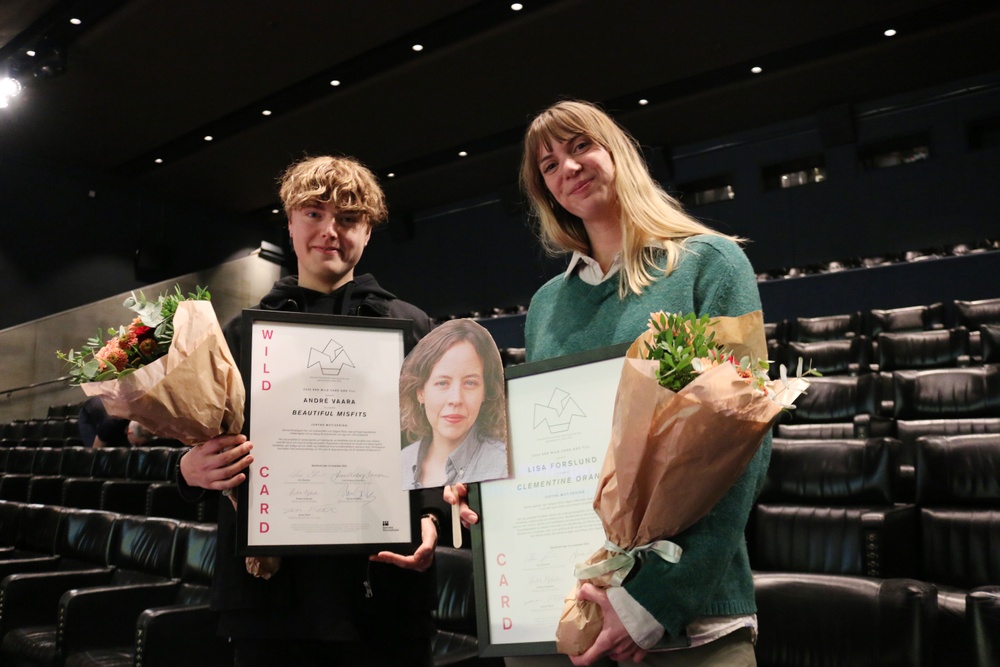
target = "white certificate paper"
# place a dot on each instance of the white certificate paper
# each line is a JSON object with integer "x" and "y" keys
{"x": 324, "y": 421}
{"x": 537, "y": 525}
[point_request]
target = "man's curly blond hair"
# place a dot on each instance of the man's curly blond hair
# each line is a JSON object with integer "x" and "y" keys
{"x": 341, "y": 181}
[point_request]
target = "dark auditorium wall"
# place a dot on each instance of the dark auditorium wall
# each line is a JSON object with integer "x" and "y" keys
{"x": 61, "y": 248}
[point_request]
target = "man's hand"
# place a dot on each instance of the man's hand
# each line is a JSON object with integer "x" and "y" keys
{"x": 614, "y": 640}
{"x": 217, "y": 464}
{"x": 458, "y": 495}
{"x": 422, "y": 558}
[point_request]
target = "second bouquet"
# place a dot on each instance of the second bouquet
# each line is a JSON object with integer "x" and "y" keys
{"x": 692, "y": 407}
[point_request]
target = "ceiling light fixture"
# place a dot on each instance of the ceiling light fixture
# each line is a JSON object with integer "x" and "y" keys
{"x": 335, "y": 82}
{"x": 8, "y": 88}
{"x": 391, "y": 174}
{"x": 890, "y": 33}
{"x": 643, "y": 102}
{"x": 517, "y": 6}
{"x": 30, "y": 53}
{"x": 462, "y": 154}
{"x": 756, "y": 70}
{"x": 158, "y": 160}
{"x": 75, "y": 21}
{"x": 208, "y": 137}
{"x": 418, "y": 47}
{"x": 265, "y": 112}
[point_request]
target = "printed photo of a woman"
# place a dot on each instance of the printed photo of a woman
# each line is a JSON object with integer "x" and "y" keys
{"x": 452, "y": 408}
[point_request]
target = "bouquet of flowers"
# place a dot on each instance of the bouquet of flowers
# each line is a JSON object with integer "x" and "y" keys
{"x": 170, "y": 369}
{"x": 694, "y": 403}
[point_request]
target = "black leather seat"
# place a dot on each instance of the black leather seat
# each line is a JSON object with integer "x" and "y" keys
{"x": 455, "y": 614}
{"x": 85, "y": 491}
{"x": 74, "y": 462}
{"x": 915, "y": 350}
{"x": 143, "y": 552}
{"x": 954, "y": 401}
{"x": 126, "y": 625}
{"x": 958, "y": 490}
{"x": 837, "y": 407}
{"x": 829, "y": 507}
{"x": 64, "y": 539}
{"x": 146, "y": 465}
{"x": 828, "y": 327}
{"x": 813, "y": 619}
{"x": 845, "y": 356}
{"x": 913, "y": 318}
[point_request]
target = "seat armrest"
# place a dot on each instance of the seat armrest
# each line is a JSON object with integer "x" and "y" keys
{"x": 25, "y": 565}
{"x": 889, "y": 536}
{"x": 33, "y": 599}
{"x": 983, "y": 612}
{"x": 106, "y": 615}
{"x": 158, "y": 630}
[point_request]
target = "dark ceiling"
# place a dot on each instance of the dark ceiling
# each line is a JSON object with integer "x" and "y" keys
{"x": 149, "y": 79}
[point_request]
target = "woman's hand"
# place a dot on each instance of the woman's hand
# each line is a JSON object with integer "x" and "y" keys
{"x": 458, "y": 495}
{"x": 614, "y": 640}
{"x": 217, "y": 464}
{"x": 422, "y": 558}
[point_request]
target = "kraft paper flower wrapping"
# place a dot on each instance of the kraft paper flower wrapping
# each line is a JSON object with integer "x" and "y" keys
{"x": 672, "y": 456}
{"x": 193, "y": 393}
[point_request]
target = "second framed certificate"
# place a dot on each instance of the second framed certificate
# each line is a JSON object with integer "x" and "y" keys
{"x": 323, "y": 406}
{"x": 538, "y": 524}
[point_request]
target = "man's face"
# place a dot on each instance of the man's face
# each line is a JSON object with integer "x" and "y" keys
{"x": 328, "y": 243}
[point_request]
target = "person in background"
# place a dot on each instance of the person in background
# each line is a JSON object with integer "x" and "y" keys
{"x": 138, "y": 435}
{"x": 351, "y": 610}
{"x": 634, "y": 251}
{"x": 98, "y": 428}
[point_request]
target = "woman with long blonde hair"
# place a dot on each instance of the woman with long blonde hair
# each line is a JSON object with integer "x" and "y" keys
{"x": 633, "y": 251}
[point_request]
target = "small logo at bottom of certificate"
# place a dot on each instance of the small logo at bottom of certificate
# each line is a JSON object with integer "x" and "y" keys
{"x": 387, "y": 528}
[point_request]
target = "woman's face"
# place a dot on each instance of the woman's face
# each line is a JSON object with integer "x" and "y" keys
{"x": 453, "y": 394}
{"x": 580, "y": 174}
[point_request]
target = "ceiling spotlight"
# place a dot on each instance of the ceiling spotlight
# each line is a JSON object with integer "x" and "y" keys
{"x": 756, "y": 70}
{"x": 391, "y": 174}
{"x": 517, "y": 6}
{"x": 889, "y": 33}
{"x": 265, "y": 112}
{"x": 8, "y": 89}
{"x": 462, "y": 154}
{"x": 643, "y": 102}
{"x": 75, "y": 21}
{"x": 208, "y": 137}
{"x": 418, "y": 47}
{"x": 30, "y": 53}
{"x": 335, "y": 82}
{"x": 275, "y": 211}
{"x": 158, "y": 160}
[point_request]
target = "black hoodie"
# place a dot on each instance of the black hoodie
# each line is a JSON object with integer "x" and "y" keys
{"x": 323, "y": 597}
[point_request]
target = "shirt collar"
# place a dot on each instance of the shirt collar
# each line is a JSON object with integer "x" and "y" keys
{"x": 589, "y": 270}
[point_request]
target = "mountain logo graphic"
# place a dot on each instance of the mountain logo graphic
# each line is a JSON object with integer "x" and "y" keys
{"x": 331, "y": 359}
{"x": 558, "y": 413}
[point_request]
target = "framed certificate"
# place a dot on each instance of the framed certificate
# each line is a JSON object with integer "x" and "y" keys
{"x": 323, "y": 416}
{"x": 538, "y": 524}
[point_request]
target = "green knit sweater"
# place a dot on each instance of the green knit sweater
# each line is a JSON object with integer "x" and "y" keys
{"x": 567, "y": 315}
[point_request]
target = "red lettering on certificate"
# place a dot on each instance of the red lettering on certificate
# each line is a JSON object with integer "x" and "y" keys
{"x": 503, "y": 580}
{"x": 501, "y": 559}
{"x": 505, "y": 602}
{"x": 268, "y": 334}
{"x": 265, "y": 367}
{"x": 264, "y": 527}
{"x": 265, "y": 385}
{"x": 507, "y": 623}
{"x": 264, "y": 491}
{"x": 263, "y": 508}
{"x": 264, "y": 471}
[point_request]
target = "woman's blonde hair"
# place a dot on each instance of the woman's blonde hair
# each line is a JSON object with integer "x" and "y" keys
{"x": 647, "y": 214}
{"x": 341, "y": 181}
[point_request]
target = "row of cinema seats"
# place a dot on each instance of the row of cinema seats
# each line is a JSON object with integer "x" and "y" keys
{"x": 128, "y": 480}
{"x": 89, "y": 588}
{"x": 905, "y": 350}
{"x": 48, "y": 432}
{"x": 848, "y": 572}
{"x": 968, "y": 314}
